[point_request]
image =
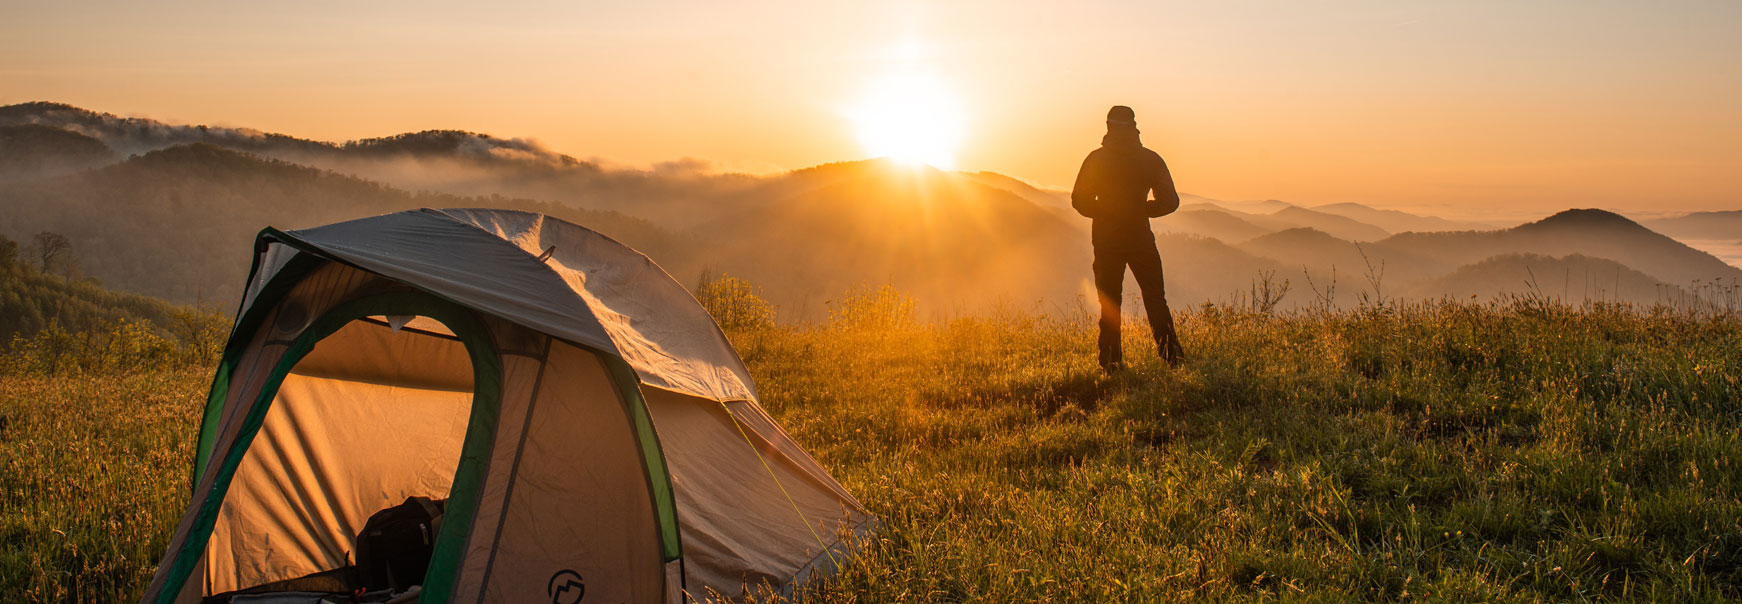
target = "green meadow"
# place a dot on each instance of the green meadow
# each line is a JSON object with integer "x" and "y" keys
{"x": 1526, "y": 451}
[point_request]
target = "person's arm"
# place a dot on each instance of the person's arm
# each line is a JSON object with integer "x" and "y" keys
{"x": 1166, "y": 198}
{"x": 1083, "y": 192}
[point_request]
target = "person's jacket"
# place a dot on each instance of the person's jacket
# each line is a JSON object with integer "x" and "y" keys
{"x": 1113, "y": 190}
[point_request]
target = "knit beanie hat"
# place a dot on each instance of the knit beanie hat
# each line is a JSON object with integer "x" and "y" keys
{"x": 1121, "y": 115}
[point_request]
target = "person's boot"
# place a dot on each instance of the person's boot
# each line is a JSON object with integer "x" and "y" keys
{"x": 1110, "y": 361}
{"x": 1166, "y": 339}
{"x": 1170, "y": 350}
{"x": 1110, "y": 345}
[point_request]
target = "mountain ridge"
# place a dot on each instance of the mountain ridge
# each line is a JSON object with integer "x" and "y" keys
{"x": 175, "y": 223}
{"x": 1719, "y": 225}
{"x": 1592, "y": 232}
{"x": 957, "y": 240}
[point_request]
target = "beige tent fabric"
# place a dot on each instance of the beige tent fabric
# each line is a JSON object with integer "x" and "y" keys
{"x": 366, "y": 351}
{"x": 579, "y": 499}
{"x": 739, "y": 526}
{"x": 322, "y": 464}
{"x": 315, "y": 294}
{"x": 674, "y": 582}
{"x": 332, "y": 452}
{"x": 756, "y": 420}
{"x": 521, "y": 375}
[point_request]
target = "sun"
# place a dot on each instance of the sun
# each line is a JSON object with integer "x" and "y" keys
{"x": 912, "y": 117}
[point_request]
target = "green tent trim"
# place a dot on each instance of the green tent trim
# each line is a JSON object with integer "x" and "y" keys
{"x": 474, "y": 452}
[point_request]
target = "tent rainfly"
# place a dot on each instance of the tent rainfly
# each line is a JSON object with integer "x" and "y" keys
{"x": 592, "y": 433}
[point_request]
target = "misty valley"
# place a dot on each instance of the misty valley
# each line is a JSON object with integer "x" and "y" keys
{"x": 162, "y": 210}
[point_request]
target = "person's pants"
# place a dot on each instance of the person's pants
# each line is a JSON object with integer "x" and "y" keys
{"x": 1145, "y": 263}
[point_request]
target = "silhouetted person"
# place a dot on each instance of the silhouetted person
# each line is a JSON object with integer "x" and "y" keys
{"x": 1113, "y": 189}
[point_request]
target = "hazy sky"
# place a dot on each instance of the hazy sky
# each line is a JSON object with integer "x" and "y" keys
{"x": 1462, "y": 108}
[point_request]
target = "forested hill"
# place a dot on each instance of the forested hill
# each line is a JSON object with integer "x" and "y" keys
{"x": 28, "y": 150}
{"x": 36, "y": 290}
{"x": 179, "y": 223}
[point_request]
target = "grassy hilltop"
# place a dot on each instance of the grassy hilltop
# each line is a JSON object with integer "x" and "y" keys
{"x": 1522, "y": 452}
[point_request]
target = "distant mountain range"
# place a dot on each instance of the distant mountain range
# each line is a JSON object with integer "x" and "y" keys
{"x": 169, "y": 211}
{"x": 1574, "y": 277}
{"x": 1234, "y": 225}
{"x": 1394, "y": 221}
{"x": 1593, "y": 243}
{"x": 1725, "y": 226}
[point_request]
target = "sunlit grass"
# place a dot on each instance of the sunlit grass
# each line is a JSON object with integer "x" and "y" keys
{"x": 1504, "y": 453}
{"x": 94, "y": 478}
{"x": 1441, "y": 452}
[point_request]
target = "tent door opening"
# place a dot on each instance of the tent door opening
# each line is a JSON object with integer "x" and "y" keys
{"x": 369, "y": 423}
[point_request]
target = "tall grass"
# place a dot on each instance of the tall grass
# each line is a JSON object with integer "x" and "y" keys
{"x": 1519, "y": 452}
{"x": 94, "y": 478}
{"x": 1526, "y": 451}
{"x": 96, "y": 442}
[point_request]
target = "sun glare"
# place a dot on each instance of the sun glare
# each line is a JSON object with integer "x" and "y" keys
{"x": 911, "y": 117}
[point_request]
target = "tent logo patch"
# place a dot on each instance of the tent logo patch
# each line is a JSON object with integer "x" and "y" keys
{"x": 566, "y": 587}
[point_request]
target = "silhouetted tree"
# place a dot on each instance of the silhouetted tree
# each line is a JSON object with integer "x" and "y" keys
{"x": 8, "y": 255}
{"x": 50, "y": 246}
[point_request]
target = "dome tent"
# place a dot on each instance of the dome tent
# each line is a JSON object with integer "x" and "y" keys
{"x": 588, "y": 425}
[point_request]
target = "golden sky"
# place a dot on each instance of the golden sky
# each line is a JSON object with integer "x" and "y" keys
{"x": 1467, "y": 109}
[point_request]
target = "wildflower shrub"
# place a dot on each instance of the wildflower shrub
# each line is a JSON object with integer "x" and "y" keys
{"x": 734, "y": 303}
{"x": 1524, "y": 451}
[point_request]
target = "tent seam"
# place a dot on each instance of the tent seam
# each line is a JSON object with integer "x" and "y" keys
{"x": 519, "y": 451}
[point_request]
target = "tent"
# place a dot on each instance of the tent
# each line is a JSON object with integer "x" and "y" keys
{"x": 593, "y": 434}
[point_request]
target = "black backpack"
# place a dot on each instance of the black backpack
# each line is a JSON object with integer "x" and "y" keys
{"x": 394, "y": 548}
